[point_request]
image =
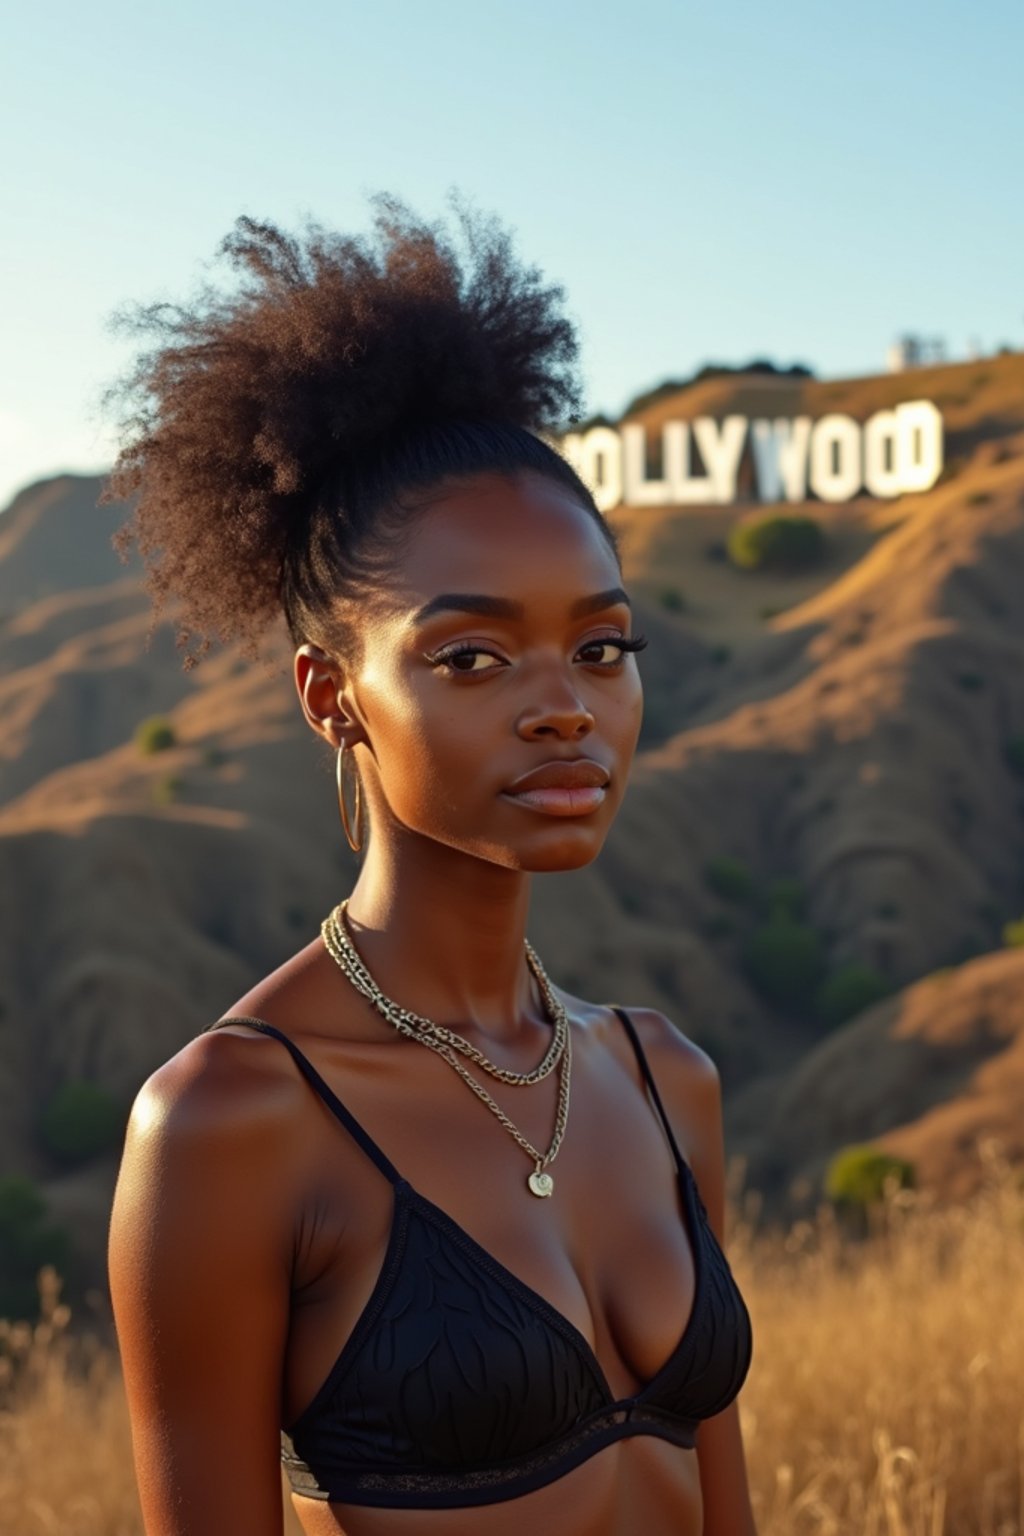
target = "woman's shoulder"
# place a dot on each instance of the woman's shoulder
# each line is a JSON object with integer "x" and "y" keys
{"x": 232, "y": 1078}
{"x": 220, "y": 1093}
{"x": 665, "y": 1043}
{"x": 686, "y": 1076}
{"x": 667, "y": 1047}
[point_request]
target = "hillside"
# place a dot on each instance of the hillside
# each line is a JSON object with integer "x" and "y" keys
{"x": 925, "y": 1075}
{"x": 851, "y": 732}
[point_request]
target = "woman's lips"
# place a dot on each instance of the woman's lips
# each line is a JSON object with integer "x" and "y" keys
{"x": 573, "y": 786}
{"x": 578, "y": 801}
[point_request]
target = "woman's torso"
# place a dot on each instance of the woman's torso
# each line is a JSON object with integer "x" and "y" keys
{"x": 609, "y": 1251}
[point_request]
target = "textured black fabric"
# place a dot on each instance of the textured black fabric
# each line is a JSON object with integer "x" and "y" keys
{"x": 461, "y": 1385}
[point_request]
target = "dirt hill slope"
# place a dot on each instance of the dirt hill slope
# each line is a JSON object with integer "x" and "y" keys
{"x": 928, "y": 1075}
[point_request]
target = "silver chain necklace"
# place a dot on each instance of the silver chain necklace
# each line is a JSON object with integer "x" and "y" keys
{"x": 337, "y": 935}
{"x": 446, "y": 1043}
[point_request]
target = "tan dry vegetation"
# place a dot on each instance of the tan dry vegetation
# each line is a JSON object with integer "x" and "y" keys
{"x": 884, "y": 1397}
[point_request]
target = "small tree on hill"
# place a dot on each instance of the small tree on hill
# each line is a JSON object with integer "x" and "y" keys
{"x": 776, "y": 542}
{"x": 785, "y": 897}
{"x": 858, "y": 1174}
{"x": 785, "y": 960}
{"x": 729, "y": 878}
{"x": 154, "y": 735}
{"x": 1013, "y": 934}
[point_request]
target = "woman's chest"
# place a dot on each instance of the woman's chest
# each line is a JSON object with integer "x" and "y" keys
{"x": 470, "y": 1267}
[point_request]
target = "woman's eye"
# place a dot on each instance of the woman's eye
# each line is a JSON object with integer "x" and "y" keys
{"x": 469, "y": 659}
{"x": 602, "y": 653}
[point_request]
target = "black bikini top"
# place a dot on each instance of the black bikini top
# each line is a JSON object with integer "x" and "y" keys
{"x": 460, "y": 1385}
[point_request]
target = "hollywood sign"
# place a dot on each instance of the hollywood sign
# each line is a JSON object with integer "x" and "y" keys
{"x": 892, "y": 453}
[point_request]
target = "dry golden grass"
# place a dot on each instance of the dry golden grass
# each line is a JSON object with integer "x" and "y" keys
{"x": 885, "y": 1398}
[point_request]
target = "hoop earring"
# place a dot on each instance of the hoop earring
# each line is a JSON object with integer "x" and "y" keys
{"x": 355, "y": 843}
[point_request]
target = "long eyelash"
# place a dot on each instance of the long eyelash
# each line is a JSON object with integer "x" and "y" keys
{"x": 448, "y": 653}
{"x": 634, "y": 643}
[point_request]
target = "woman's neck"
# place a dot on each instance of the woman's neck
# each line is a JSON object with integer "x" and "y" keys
{"x": 442, "y": 933}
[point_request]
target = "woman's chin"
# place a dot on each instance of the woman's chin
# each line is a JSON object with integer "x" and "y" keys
{"x": 557, "y": 847}
{"x": 575, "y": 848}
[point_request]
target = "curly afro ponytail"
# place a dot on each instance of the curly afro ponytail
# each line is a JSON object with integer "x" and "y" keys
{"x": 270, "y": 430}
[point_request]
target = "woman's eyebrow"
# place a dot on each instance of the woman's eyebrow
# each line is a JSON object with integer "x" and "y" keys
{"x": 507, "y": 608}
{"x": 598, "y": 601}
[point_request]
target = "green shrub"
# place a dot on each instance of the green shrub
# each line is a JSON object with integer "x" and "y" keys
{"x": 168, "y": 788}
{"x": 785, "y": 960}
{"x": 213, "y": 757}
{"x": 1014, "y": 750}
{"x": 1013, "y": 934}
{"x": 848, "y": 991}
{"x": 856, "y": 1175}
{"x": 155, "y": 735}
{"x": 27, "y": 1242}
{"x": 786, "y": 896}
{"x": 971, "y": 682}
{"x": 81, "y": 1121}
{"x": 729, "y": 878}
{"x": 720, "y": 654}
{"x": 776, "y": 542}
{"x": 672, "y": 599}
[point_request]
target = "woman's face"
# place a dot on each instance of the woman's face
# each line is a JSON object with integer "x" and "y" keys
{"x": 495, "y": 712}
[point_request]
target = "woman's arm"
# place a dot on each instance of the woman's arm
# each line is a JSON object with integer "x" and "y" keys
{"x": 200, "y": 1266}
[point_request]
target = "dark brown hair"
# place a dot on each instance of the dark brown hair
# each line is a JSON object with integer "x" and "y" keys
{"x": 272, "y": 433}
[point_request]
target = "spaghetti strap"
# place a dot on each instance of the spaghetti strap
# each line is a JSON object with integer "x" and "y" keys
{"x": 681, "y": 1162}
{"x": 327, "y": 1093}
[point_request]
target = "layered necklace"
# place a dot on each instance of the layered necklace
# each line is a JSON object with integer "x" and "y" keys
{"x": 450, "y": 1046}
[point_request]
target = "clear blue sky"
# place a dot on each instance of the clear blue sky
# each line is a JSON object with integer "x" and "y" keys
{"x": 736, "y": 179}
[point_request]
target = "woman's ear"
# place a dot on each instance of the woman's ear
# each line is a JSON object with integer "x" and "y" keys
{"x": 323, "y": 693}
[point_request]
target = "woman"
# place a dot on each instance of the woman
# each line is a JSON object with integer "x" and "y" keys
{"x": 445, "y": 1235}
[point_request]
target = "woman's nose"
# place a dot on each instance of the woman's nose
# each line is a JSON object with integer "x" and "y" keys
{"x": 558, "y": 712}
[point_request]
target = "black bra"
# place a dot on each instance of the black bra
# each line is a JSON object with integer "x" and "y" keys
{"x": 461, "y": 1385}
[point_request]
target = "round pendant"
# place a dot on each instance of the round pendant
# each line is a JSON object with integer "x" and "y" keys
{"x": 541, "y": 1184}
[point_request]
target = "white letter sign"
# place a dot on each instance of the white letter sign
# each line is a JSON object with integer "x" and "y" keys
{"x": 895, "y": 452}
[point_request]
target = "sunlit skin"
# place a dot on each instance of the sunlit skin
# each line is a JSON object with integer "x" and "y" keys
{"x": 439, "y": 912}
